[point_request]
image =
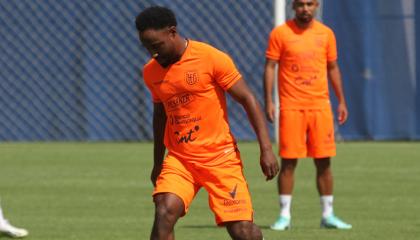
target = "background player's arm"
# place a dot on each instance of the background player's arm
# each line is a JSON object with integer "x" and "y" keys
{"x": 269, "y": 73}
{"x": 242, "y": 94}
{"x": 159, "y": 123}
{"x": 334, "y": 76}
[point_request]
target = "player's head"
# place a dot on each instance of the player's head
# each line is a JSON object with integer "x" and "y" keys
{"x": 158, "y": 34}
{"x": 305, "y": 10}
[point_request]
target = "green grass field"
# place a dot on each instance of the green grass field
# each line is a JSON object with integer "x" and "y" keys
{"x": 102, "y": 191}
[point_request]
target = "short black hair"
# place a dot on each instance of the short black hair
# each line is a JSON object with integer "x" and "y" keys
{"x": 155, "y": 17}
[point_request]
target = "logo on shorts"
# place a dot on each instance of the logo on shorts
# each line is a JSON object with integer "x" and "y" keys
{"x": 191, "y": 77}
{"x": 329, "y": 138}
{"x": 233, "y": 192}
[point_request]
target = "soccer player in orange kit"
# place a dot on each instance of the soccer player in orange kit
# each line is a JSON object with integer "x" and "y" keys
{"x": 188, "y": 80}
{"x": 306, "y": 53}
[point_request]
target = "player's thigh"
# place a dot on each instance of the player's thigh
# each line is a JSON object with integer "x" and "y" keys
{"x": 321, "y": 134}
{"x": 229, "y": 196}
{"x": 292, "y": 134}
{"x": 175, "y": 178}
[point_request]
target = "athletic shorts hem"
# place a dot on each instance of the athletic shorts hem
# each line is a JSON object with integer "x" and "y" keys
{"x": 223, "y": 222}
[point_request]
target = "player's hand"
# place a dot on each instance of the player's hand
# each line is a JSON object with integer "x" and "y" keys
{"x": 270, "y": 111}
{"x": 342, "y": 113}
{"x": 155, "y": 174}
{"x": 269, "y": 164}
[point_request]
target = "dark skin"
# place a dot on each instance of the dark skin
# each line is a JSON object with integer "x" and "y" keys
{"x": 167, "y": 46}
{"x": 304, "y": 14}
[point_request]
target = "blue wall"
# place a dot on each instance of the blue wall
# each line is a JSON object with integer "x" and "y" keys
{"x": 376, "y": 41}
{"x": 70, "y": 69}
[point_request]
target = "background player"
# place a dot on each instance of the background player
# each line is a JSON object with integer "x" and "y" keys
{"x": 305, "y": 51}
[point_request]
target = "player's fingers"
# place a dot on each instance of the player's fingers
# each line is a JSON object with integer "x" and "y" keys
{"x": 276, "y": 169}
{"x": 269, "y": 116}
{"x": 265, "y": 170}
{"x": 346, "y": 115}
{"x": 270, "y": 173}
{"x": 342, "y": 117}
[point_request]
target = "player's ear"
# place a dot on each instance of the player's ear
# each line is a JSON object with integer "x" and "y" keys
{"x": 172, "y": 30}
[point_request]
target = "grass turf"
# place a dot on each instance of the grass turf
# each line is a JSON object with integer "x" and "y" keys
{"x": 102, "y": 191}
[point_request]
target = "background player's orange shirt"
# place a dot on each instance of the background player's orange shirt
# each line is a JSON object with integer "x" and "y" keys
{"x": 192, "y": 91}
{"x": 302, "y": 57}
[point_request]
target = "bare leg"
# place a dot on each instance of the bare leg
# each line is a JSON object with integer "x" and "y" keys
{"x": 285, "y": 180}
{"x": 243, "y": 230}
{"x": 324, "y": 178}
{"x": 168, "y": 209}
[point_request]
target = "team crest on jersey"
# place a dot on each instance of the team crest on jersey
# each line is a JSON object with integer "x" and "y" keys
{"x": 191, "y": 78}
{"x": 319, "y": 42}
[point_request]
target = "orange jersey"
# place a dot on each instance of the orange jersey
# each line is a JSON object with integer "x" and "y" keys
{"x": 192, "y": 91}
{"x": 302, "y": 57}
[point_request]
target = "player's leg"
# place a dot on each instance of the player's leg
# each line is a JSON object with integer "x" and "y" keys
{"x": 285, "y": 184}
{"x": 324, "y": 183}
{"x": 168, "y": 209}
{"x": 10, "y": 230}
{"x": 324, "y": 177}
{"x": 322, "y": 147}
{"x": 243, "y": 230}
{"x": 174, "y": 191}
{"x": 229, "y": 196}
{"x": 292, "y": 146}
{"x": 285, "y": 180}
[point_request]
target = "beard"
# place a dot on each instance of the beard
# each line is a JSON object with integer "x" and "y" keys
{"x": 304, "y": 18}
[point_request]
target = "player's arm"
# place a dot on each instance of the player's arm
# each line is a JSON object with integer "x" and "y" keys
{"x": 159, "y": 123}
{"x": 269, "y": 73}
{"x": 243, "y": 95}
{"x": 334, "y": 76}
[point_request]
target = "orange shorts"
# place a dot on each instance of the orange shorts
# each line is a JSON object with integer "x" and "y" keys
{"x": 223, "y": 179}
{"x": 306, "y": 133}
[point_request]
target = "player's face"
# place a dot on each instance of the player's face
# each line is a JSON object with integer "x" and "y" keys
{"x": 160, "y": 43}
{"x": 305, "y": 10}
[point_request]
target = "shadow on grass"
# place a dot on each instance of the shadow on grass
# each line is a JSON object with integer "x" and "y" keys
{"x": 199, "y": 226}
{"x": 4, "y": 236}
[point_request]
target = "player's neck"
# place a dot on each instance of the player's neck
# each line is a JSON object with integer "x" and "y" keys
{"x": 303, "y": 25}
{"x": 182, "y": 45}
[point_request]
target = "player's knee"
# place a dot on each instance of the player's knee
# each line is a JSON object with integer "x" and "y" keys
{"x": 244, "y": 230}
{"x": 287, "y": 171}
{"x": 288, "y": 165}
{"x": 165, "y": 212}
{"x": 322, "y": 166}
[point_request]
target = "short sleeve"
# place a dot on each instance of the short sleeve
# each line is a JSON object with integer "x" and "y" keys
{"x": 331, "y": 47}
{"x": 274, "y": 46}
{"x": 225, "y": 72}
{"x": 148, "y": 81}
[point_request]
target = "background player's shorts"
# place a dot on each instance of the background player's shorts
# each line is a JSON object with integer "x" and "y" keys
{"x": 223, "y": 179}
{"x": 306, "y": 133}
